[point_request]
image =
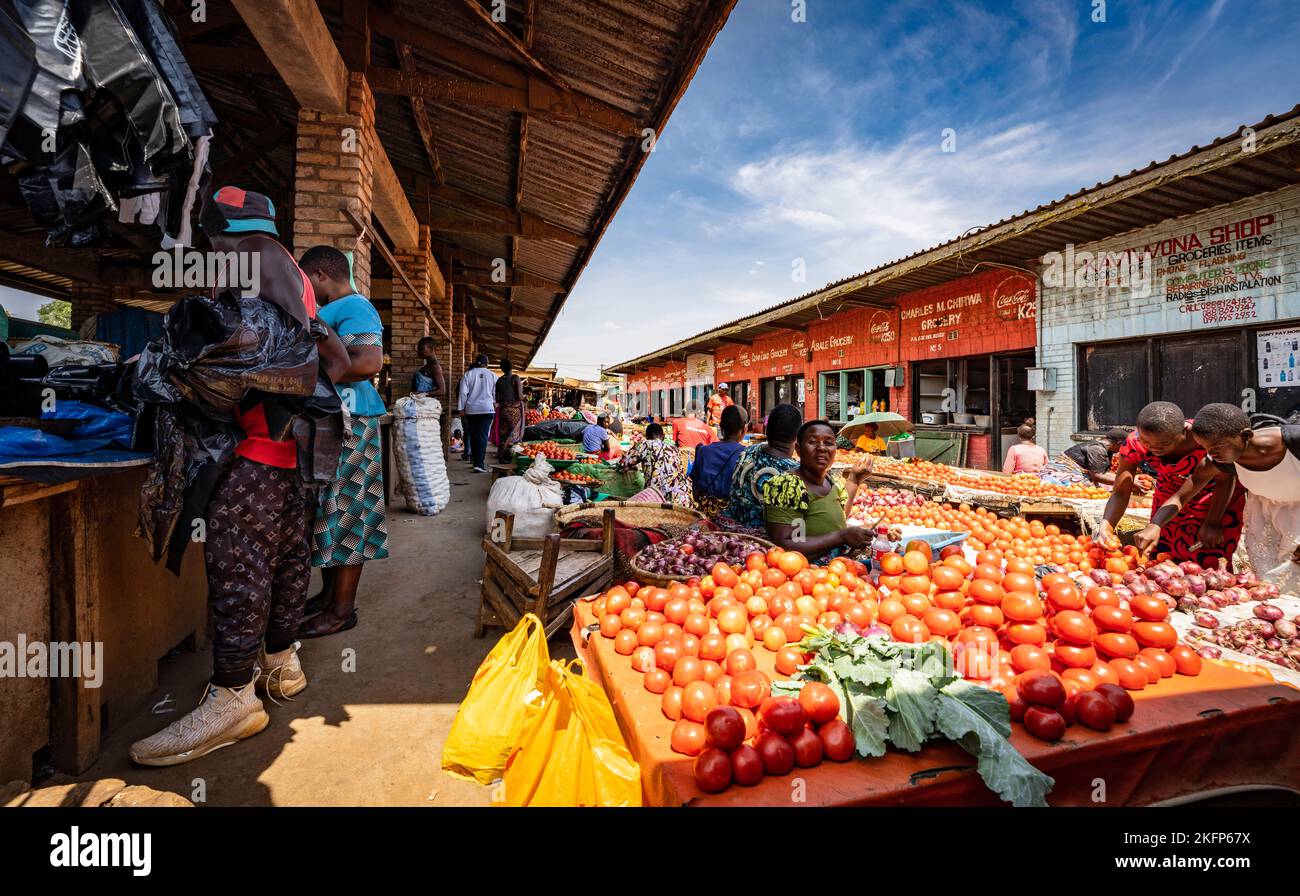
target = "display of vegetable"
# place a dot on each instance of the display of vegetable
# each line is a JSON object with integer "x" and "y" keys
{"x": 1267, "y": 637}
{"x": 695, "y": 553}
{"x": 904, "y": 694}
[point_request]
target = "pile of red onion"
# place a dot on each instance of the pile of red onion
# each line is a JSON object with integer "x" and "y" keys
{"x": 1268, "y": 636}
{"x": 1191, "y": 588}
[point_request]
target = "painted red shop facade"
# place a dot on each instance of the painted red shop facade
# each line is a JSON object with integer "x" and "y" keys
{"x": 977, "y": 333}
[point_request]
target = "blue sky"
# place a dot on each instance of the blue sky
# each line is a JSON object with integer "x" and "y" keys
{"x": 821, "y": 141}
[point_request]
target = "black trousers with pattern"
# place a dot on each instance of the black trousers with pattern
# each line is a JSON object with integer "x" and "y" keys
{"x": 258, "y": 564}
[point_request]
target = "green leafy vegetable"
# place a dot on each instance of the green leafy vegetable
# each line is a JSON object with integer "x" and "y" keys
{"x": 962, "y": 718}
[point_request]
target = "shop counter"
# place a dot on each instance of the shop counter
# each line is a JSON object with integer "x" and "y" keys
{"x": 1220, "y": 731}
{"x": 76, "y": 573}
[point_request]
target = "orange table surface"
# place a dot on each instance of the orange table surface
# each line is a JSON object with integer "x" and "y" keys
{"x": 1217, "y": 731}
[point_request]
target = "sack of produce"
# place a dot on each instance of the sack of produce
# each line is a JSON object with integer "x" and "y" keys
{"x": 533, "y": 498}
{"x": 421, "y": 467}
{"x": 572, "y": 753}
{"x": 505, "y": 693}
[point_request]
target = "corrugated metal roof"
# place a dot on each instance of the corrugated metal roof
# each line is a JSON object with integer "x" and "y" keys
{"x": 1200, "y": 178}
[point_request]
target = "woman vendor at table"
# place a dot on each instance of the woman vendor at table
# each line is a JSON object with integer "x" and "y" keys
{"x": 661, "y": 462}
{"x": 804, "y": 509}
{"x": 1204, "y": 530}
{"x": 870, "y": 440}
{"x": 714, "y": 464}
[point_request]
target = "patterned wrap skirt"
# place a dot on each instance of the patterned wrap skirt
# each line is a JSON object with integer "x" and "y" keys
{"x": 350, "y": 527}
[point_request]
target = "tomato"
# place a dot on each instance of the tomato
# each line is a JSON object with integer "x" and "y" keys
{"x": 690, "y": 645}
{"x": 655, "y": 599}
{"x": 784, "y": 715}
{"x": 916, "y": 604}
{"x": 1065, "y": 597}
{"x": 1094, "y": 710}
{"x": 837, "y": 740}
{"x": 1119, "y": 699}
{"x": 1041, "y": 688}
{"x": 1103, "y": 596}
{"x": 1105, "y": 674}
{"x": 1021, "y": 606}
{"x": 1044, "y": 723}
{"x": 942, "y": 622}
{"x": 1066, "y": 709}
{"x": 774, "y": 637}
{"x": 775, "y": 752}
{"x": 688, "y": 737}
{"x": 1025, "y": 657}
{"x": 985, "y": 591}
{"x": 617, "y": 600}
{"x": 1162, "y": 659}
{"x": 1015, "y": 703}
{"x": 788, "y": 660}
{"x": 819, "y": 702}
{"x": 750, "y": 689}
{"x": 632, "y": 617}
{"x": 712, "y": 672}
{"x": 610, "y": 625}
{"x": 949, "y": 600}
{"x": 974, "y": 659}
{"x": 687, "y": 670}
{"x": 1115, "y": 644}
{"x": 985, "y": 615}
{"x": 713, "y": 647}
{"x": 807, "y": 748}
{"x": 792, "y": 563}
{"x": 625, "y": 642}
{"x": 1148, "y": 666}
{"x": 1075, "y": 656}
{"x": 945, "y": 578}
{"x": 1186, "y": 660}
{"x": 1019, "y": 581}
{"x": 740, "y": 661}
{"x": 1074, "y": 627}
{"x": 698, "y": 698}
{"x": 657, "y": 681}
{"x": 1132, "y": 677}
{"x": 712, "y": 771}
{"x": 746, "y": 766}
{"x": 1112, "y": 619}
{"x": 988, "y": 571}
{"x": 724, "y": 728}
{"x": 909, "y": 629}
{"x": 1155, "y": 634}
{"x": 724, "y": 576}
{"x": 671, "y": 704}
{"x": 643, "y": 659}
{"x": 1149, "y": 608}
{"x": 891, "y": 608}
{"x": 1083, "y": 677}
{"x": 1027, "y": 633}
{"x": 977, "y": 634}
{"x": 696, "y": 624}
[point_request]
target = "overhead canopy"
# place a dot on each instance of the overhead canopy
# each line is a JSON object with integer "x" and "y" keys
{"x": 513, "y": 140}
{"x": 1229, "y": 169}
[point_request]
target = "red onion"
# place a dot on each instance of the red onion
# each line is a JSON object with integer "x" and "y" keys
{"x": 1219, "y": 599}
{"x": 1293, "y": 654}
{"x": 1248, "y": 651}
{"x": 1264, "y": 591}
{"x": 1210, "y": 653}
{"x": 1192, "y": 569}
{"x": 1100, "y": 576}
{"x": 1247, "y": 578}
{"x": 1141, "y": 586}
{"x": 1261, "y": 627}
{"x": 1168, "y": 599}
{"x": 1285, "y": 629}
{"x": 1206, "y": 620}
{"x": 1273, "y": 643}
{"x": 1175, "y": 587}
{"x": 1268, "y": 612}
{"x": 1124, "y": 591}
{"x": 1132, "y": 576}
{"x": 1195, "y": 583}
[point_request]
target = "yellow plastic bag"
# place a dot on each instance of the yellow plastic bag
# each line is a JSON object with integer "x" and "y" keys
{"x": 505, "y": 693}
{"x": 572, "y": 753}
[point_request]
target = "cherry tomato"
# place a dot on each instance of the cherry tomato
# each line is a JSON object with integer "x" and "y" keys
{"x": 1094, "y": 710}
{"x": 837, "y": 740}
{"x": 819, "y": 702}
{"x": 775, "y": 752}
{"x": 724, "y": 728}
{"x": 688, "y": 737}
{"x": 712, "y": 771}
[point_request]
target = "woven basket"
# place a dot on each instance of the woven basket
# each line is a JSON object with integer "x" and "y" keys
{"x": 638, "y": 514}
{"x": 645, "y": 577}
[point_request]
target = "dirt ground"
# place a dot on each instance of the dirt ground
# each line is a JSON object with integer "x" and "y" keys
{"x": 369, "y": 737}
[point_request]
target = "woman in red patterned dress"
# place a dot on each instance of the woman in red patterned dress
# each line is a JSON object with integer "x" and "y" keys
{"x": 1209, "y": 527}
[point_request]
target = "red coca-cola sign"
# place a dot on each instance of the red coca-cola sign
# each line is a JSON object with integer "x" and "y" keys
{"x": 1013, "y": 298}
{"x": 881, "y": 329}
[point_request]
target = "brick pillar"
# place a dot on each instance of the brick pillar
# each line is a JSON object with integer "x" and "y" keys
{"x": 456, "y": 370}
{"x": 88, "y": 299}
{"x": 410, "y": 320}
{"x": 335, "y": 170}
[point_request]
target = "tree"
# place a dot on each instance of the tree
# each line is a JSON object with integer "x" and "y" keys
{"x": 57, "y": 313}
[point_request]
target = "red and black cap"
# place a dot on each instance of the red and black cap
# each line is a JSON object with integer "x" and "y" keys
{"x": 233, "y": 210}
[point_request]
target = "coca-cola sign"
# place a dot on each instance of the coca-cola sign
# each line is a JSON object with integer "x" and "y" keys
{"x": 881, "y": 328}
{"x": 1013, "y": 298}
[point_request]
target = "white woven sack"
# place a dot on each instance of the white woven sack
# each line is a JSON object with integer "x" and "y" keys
{"x": 421, "y": 466}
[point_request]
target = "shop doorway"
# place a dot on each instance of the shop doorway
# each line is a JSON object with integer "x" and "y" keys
{"x": 1015, "y": 403}
{"x": 739, "y": 391}
{"x": 781, "y": 390}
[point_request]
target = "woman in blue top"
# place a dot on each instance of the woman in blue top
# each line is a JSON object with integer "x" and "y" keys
{"x": 349, "y": 528}
{"x": 714, "y": 464}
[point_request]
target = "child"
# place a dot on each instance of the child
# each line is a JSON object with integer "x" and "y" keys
{"x": 457, "y": 441}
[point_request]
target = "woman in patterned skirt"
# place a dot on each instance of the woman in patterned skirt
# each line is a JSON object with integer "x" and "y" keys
{"x": 662, "y": 463}
{"x": 1208, "y": 527}
{"x": 349, "y": 527}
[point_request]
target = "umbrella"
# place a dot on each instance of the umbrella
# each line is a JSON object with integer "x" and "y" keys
{"x": 888, "y": 424}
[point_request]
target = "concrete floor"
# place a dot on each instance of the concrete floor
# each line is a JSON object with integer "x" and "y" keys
{"x": 369, "y": 737}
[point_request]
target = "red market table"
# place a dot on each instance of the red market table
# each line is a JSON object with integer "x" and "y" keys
{"x": 1220, "y": 731}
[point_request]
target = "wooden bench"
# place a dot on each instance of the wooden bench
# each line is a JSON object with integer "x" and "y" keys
{"x": 542, "y": 576}
{"x": 499, "y": 470}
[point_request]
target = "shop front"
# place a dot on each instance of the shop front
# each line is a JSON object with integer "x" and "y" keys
{"x": 773, "y": 370}
{"x": 1193, "y": 311}
{"x": 854, "y": 354}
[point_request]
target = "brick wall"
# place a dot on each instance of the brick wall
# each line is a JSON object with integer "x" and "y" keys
{"x": 335, "y": 170}
{"x": 410, "y": 321}
{"x": 88, "y": 299}
{"x": 1083, "y": 311}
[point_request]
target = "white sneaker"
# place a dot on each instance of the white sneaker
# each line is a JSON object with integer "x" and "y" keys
{"x": 480, "y": 470}
{"x": 281, "y": 676}
{"x": 223, "y": 716}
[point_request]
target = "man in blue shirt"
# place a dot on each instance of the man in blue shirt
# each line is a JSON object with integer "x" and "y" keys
{"x": 595, "y": 438}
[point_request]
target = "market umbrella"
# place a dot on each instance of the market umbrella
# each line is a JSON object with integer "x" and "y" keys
{"x": 888, "y": 423}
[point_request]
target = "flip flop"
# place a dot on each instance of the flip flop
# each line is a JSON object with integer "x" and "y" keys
{"x": 306, "y": 631}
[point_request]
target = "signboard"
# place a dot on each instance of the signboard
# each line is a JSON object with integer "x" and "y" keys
{"x": 882, "y": 328}
{"x": 699, "y": 368}
{"x": 1279, "y": 358}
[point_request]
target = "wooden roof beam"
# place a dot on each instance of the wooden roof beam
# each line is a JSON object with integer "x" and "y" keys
{"x": 521, "y": 49}
{"x": 527, "y": 226}
{"x": 407, "y": 58}
{"x": 519, "y": 278}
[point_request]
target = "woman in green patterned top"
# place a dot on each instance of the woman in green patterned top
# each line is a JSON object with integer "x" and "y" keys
{"x": 804, "y": 509}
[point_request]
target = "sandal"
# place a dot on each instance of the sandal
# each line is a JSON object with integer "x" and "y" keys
{"x": 315, "y": 627}
{"x": 314, "y": 606}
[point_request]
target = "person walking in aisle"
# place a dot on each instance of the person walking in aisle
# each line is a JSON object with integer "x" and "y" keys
{"x": 477, "y": 407}
{"x": 509, "y": 395}
{"x": 350, "y": 527}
